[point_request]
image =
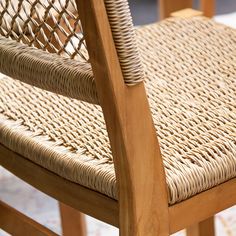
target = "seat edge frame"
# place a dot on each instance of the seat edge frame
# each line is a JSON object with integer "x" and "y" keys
{"x": 181, "y": 215}
{"x": 81, "y": 198}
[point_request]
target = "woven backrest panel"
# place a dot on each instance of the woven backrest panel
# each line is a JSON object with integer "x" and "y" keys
{"x": 54, "y": 26}
{"x": 51, "y": 25}
{"x": 32, "y": 32}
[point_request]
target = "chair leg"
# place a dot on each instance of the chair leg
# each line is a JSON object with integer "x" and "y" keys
{"x": 203, "y": 228}
{"x": 72, "y": 221}
{"x": 169, "y": 6}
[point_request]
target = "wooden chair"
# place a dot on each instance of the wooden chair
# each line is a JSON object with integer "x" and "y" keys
{"x": 174, "y": 80}
{"x": 167, "y": 7}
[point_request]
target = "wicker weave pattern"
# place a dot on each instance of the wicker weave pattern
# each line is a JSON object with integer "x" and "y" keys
{"x": 54, "y": 26}
{"x": 125, "y": 41}
{"x": 191, "y": 86}
{"x": 72, "y": 78}
{"x": 61, "y": 134}
{"x": 190, "y": 67}
{"x": 46, "y": 24}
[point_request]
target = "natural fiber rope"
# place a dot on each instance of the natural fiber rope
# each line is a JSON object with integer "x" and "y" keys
{"x": 125, "y": 40}
{"x": 190, "y": 67}
{"x": 51, "y": 25}
{"x": 54, "y": 26}
{"x": 48, "y": 71}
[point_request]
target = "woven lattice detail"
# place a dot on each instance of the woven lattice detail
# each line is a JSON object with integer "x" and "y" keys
{"x": 190, "y": 67}
{"x": 54, "y": 26}
{"x": 51, "y": 25}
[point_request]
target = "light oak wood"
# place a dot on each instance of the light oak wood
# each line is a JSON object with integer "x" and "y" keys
{"x": 207, "y": 7}
{"x": 17, "y": 224}
{"x": 202, "y": 228}
{"x": 142, "y": 208}
{"x": 85, "y": 200}
{"x": 72, "y": 221}
{"x": 202, "y": 206}
{"x": 131, "y": 139}
{"x": 167, "y": 7}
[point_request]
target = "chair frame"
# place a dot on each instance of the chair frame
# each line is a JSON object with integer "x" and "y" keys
{"x": 131, "y": 139}
{"x": 169, "y": 6}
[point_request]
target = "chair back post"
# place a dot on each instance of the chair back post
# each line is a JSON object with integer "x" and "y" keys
{"x": 143, "y": 205}
{"x": 207, "y": 7}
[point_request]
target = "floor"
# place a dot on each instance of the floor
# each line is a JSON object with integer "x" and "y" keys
{"x": 45, "y": 210}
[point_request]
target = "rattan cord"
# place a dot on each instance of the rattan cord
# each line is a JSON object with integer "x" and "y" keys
{"x": 72, "y": 78}
{"x": 54, "y": 26}
{"x": 190, "y": 67}
{"x": 46, "y": 24}
{"x": 125, "y": 41}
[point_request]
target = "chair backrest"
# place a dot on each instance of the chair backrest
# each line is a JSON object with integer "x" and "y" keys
{"x": 103, "y": 77}
{"x": 48, "y": 25}
{"x": 54, "y": 26}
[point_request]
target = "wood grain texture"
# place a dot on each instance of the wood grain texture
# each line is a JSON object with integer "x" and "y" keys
{"x": 202, "y": 206}
{"x": 143, "y": 206}
{"x": 72, "y": 221}
{"x": 202, "y": 228}
{"x": 17, "y": 224}
{"x": 208, "y": 7}
{"x": 131, "y": 132}
{"x": 169, "y": 6}
{"x": 83, "y": 199}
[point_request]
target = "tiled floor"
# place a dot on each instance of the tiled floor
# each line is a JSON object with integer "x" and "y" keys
{"x": 45, "y": 210}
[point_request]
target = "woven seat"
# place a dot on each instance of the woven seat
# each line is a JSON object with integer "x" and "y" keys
{"x": 190, "y": 67}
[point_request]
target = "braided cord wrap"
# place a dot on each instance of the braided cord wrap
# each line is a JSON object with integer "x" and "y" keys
{"x": 125, "y": 40}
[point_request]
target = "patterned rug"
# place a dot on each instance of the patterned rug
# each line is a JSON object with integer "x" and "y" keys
{"x": 45, "y": 209}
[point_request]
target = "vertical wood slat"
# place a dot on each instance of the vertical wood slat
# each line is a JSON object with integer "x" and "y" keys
{"x": 17, "y": 224}
{"x": 143, "y": 208}
{"x": 202, "y": 228}
{"x": 72, "y": 221}
{"x": 169, "y": 6}
{"x": 207, "y": 7}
